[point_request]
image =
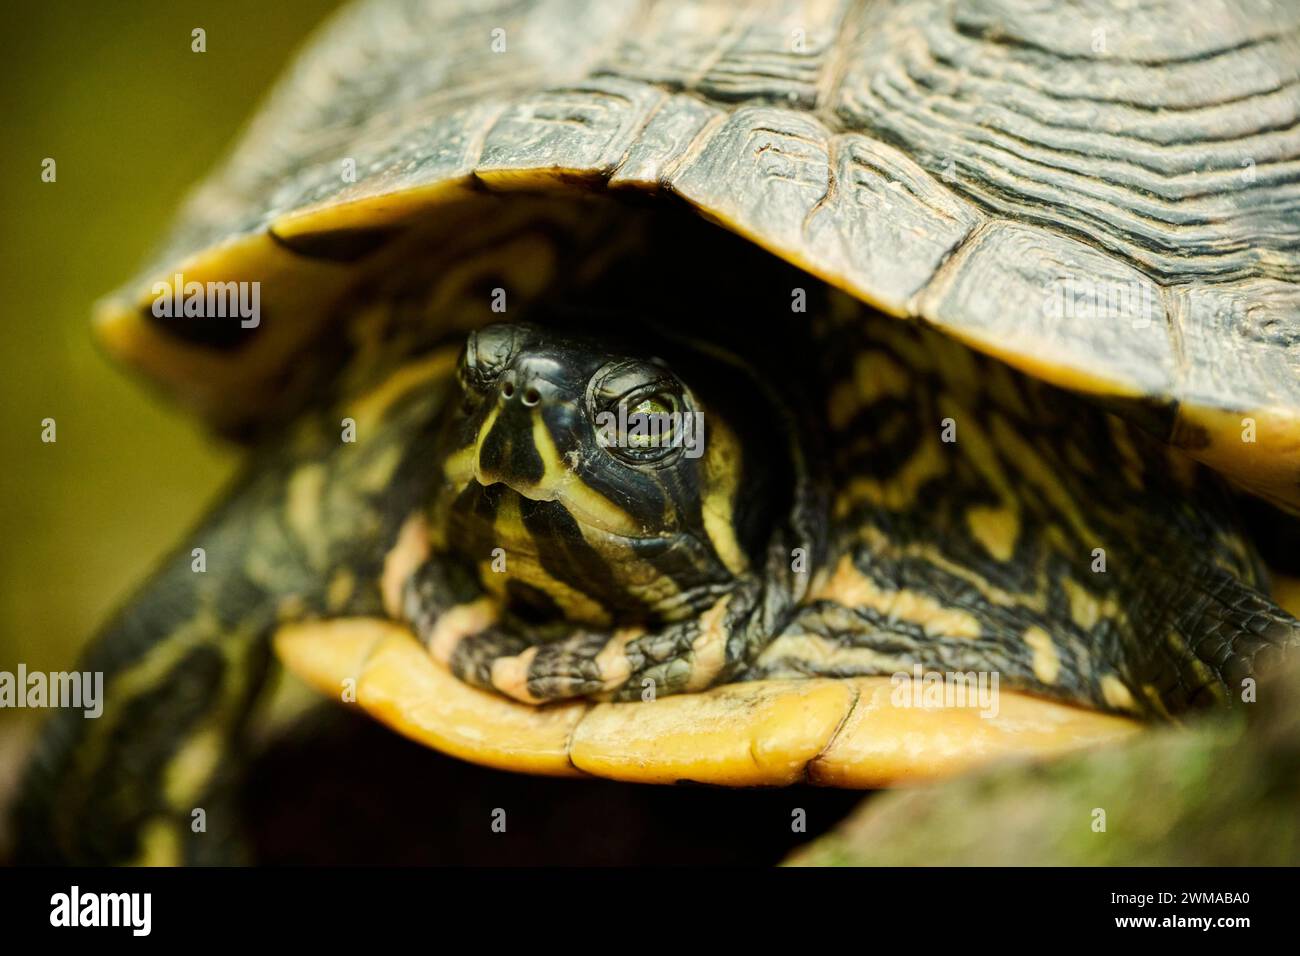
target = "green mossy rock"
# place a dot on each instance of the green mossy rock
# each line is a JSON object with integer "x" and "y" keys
{"x": 1223, "y": 792}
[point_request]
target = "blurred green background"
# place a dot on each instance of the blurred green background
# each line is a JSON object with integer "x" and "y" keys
{"x": 133, "y": 118}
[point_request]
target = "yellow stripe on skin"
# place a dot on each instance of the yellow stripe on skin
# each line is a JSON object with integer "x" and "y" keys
{"x": 341, "y": 587}
{"x": 1086, "y": 609}
{"x": 978, "y": 446}
{"x": 1042, "y": 476}
{"x": 1046, "y": 660}
{"x": 709, "y": 649}
{"x": 523, "y": 563}
{"x": 1155, "y": 703}
{"x": 461, "y": 466}
{"x": 302, "y": 509}
{"x": 996, "y": 529}
{"x": 899, "y": 491}
{"x": 881, "y": 545}
{"x": 1130, "y": 461}
{"x": 875, "y": 376}
{"x": 1116, "y": 694}
{"x": 844, "y": 733}
{"x": 560, "y": 482}
{"x": 1181, "y": 649}
{"x": 639, "y": 578}
{"x": 987, "y": 450}
{"x": 721, "y": 482}
{"x": 191, "y": 768}
{"x": 410, "y": 551}
{"x": 286, "y": 699}
{"x": 850, "y": 587}
{"x": 189, "y": 772}
{"x": 510, "y": 675}
{"x": 378, "y": 475}
{"x": 825, "y": 653}
{"x": 917, "y": 353}
{"x": 1204, "y": 674}
{"x": 612, "y": 661}
{"x": 143, "y": 677}
{"x": 371, "y": 408}
{"x": 1002, "y": 383}
{"x": 459, "y": 622}
{"x": 602, "y": 524}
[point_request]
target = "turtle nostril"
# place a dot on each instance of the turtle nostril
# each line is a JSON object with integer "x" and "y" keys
{"x": 508, "y": 389}
{"x": 532, "y": 396}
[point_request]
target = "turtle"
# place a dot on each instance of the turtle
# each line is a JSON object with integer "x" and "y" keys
{"x": 743, "y": 394}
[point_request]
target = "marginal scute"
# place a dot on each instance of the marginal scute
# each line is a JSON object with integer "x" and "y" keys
{"x": 423, "y": 166}
{"x": 377, "y": 74}
{"x": 227, "y": 383}
{"x": 886, "y": 226}
{"x": 1258, "y": 448}
{"x": 666, "y": 138}
{"x": 761, "y": 173}
{"x": 1055, "y": 308}
{"x": 1242, "y": 343}
{"x": 1239, "y": 393}
{"x": 584, "y": 129}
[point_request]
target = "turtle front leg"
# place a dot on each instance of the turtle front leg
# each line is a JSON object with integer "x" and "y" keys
{"x": 468, "y": 631}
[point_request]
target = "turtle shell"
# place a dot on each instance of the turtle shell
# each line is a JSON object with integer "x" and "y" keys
{"x": 1104, "y": 195}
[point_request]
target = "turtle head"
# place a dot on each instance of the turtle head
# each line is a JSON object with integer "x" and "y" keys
{"x": 597, "y": 485}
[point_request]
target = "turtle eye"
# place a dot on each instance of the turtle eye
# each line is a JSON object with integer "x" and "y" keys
{"x": 487, "y": 353}
{"x": 651, "y": 424}
{"x": 638, "y": 410}
{"x": 642, "y": 427}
